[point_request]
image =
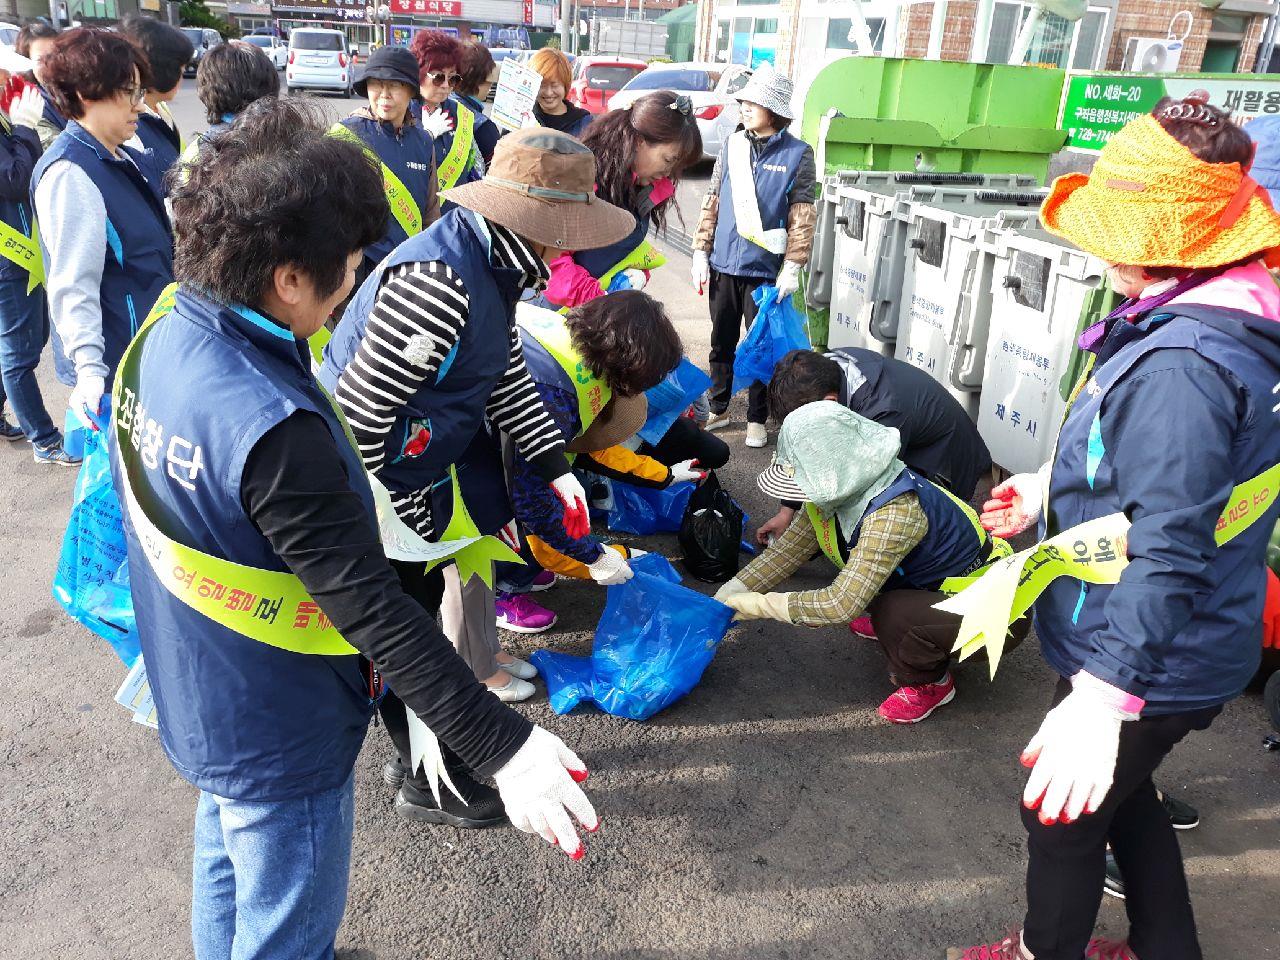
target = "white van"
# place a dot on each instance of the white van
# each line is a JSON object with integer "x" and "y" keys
{"x": 318, "y": 60}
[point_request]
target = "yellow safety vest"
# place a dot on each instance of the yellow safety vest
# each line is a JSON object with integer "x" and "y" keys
{"x": 454, "y": 163}
{"x": 399, "y": 198}
{"x": 591, "y": 391}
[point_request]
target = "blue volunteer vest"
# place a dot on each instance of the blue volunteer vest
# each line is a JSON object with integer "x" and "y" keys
{"x": 443, "y": 142}
{"x": 52, "y": 115}
{"x": 951, "y": 548}
{"x": 1217, "y": 653}
{"x": 600, "y": 261}
{"x": 18, "y": 213}
{"x": 139, "y": 259}
{"x": 410, "y": 155}
{"x": 774, "y": 171}
{"x": 163, "y": 146}
{"x": 452, "y": 409}
{"x": 238, "y": 717}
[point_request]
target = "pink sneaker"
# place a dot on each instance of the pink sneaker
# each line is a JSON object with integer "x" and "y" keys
{"x": 1010, "y": 948}
{"x": 518, "y": 613}
{"x": 862, "y": 627}
{"x": 913, "y": 704}
{"x": 1100, "y": 949}
{"x": 545, "y": 580}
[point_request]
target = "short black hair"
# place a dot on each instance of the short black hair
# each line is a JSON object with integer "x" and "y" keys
{"x": 168, "y": 49}
{"x": 626, "y": 339}
{"x": 233, "y": 75}
{"x": 274, "y": 190}
{"x": 802, "y": 376}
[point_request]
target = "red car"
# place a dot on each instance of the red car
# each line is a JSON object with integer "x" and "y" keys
{"x": 597, "y": 79}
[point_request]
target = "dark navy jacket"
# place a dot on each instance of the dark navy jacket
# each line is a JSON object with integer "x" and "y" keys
{"x": 409, "y": 154}
{"x": 19, "y": 154}
{"x": 51, "y": 113}
{"x": 939, "y": 440}
{"x": 452, "y": 409}
{"x": 951, "y": 547}
{"x": 444, "y": 142}
{"x": 238, "y": 717}
{"x": 139, "y": 258}
{"x": 1178, "y": 412}
{"x": 774, "y": 171}
{"x": 163, "y": 144}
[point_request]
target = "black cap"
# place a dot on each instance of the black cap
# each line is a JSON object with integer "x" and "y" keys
{"x": 389, "y": 63}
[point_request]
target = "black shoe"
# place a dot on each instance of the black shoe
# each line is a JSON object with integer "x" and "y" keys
{"x": 394, "y": 772}
{"x": 1182, "y": 815}
{"x": 9, "y": 432}
{"x": 483, "y": 807}
{"x": 1113, "y": 883}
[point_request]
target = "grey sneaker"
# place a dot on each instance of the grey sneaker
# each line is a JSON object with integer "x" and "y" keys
{"x": 757, "y": 435}
{"x": 54, "y": 454}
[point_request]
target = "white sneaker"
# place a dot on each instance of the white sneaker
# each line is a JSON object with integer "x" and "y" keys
{"x": 514, "y": 690}
{"x": 717, "y": 421}
{"x": 519, "y": 668}
{"x": 757, "y": 435}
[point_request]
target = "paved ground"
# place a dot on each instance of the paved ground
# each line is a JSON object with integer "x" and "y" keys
{"x": 769, "y": 815}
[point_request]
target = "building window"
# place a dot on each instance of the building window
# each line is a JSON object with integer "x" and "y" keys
{"x": 1056, "y": 43}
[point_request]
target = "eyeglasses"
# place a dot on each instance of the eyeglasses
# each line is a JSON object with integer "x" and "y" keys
{"x": 440, "y": 79}
{"x": 135, "y": 94}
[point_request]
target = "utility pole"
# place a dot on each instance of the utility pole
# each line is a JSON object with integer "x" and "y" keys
{"x": 566, "y": 15}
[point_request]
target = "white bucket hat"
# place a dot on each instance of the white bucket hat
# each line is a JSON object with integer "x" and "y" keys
{"x": 771, "y": 90}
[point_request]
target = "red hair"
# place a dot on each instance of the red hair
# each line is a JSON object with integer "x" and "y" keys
{"x": 436, "y": 50}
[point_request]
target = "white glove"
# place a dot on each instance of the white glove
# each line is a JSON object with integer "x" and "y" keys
{"x": 788, "y": 281}
{"x": 27, "y": 108}
{"x": 760, "y": 606}
{"x": 633, "y": 552}
{"x": 577, "y": 521}
{"x": 686, "y": 470}
{"x": 1073, "y": 754}
{"x": 539, "y": 784}
{"x": 1016, "y": 504}
{"x": 510, "y": 535}
{"x": 637, "y": 278}
{"x": 436, "y": 124}
{"x": 730, "y": 589}
{"x": 86, "y": 398}
{"x": 611, "y": 569}
{"x": 701, "y": 270}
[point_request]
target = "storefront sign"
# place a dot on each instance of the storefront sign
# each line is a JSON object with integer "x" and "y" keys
{"x": 528, "y": 12}
{"x": 428, "y": 8}
{"x": 328, "y": 9}
{"x": 1096, "y": 105}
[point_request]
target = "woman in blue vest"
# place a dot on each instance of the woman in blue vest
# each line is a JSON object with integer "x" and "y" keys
{"x": 756, "y": 228}
{"x": 387, "y": 128}
{"x": 24, "y": 312}
{"x": 35, "y": 39}
{"x": 427, "y": 352}
{"x": 899, "y": 542}
{"x": 263, "y": 704}
{"x": 168, "y": 52}
{"x": 1166, "y": 431}
{"x": 477, "y": 74}
{"x": 230, "y": 77}
{"x": 451, "y": 125}
{"x": 103, "y": 226}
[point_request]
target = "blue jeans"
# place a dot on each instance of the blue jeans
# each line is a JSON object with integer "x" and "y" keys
{"x": 269, "y": 879}
{"x": 24, "y": 330}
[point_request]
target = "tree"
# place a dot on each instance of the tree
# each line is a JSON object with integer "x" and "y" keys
{"x": 195, "y": 14}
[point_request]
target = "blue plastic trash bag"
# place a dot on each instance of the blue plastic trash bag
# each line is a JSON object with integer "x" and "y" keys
{"x": 653, "y": 643}
{"x": 645, "y": 510}
{"x": 92, "y": 579}
{"x": 778, "y": 329}
{"x": 672, "y": 397}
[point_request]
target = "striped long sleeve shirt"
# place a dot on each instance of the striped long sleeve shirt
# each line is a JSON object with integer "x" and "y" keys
{"x": 418, "y": 317}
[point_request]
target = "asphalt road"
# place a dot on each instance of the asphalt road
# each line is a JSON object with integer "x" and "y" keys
{"x": 768, "y": 815}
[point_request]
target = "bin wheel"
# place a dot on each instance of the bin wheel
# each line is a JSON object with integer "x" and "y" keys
{"x": 1271, "y": 697}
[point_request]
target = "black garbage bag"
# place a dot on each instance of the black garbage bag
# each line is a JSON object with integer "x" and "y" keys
{"x": 710, "y": 532}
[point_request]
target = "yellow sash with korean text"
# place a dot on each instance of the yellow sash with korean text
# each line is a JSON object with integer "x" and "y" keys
{"x": 399, "y": 198}
{"x": 455, "y": 161}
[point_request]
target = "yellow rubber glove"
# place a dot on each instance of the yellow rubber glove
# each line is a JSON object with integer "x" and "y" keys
{"x": 760, "y": 606}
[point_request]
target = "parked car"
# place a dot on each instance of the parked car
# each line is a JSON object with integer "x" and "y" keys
{"x": 597, "y": 79}
{"x": 203, "y": 39}
{"x": 8, "y": 35}
{"x": 277, "y": 50}
{"x": 318, "y": 60}
{"x": 708, "y": 85}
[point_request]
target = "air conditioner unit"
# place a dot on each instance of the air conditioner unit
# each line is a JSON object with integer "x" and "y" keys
{"x": 1152, "y": 55}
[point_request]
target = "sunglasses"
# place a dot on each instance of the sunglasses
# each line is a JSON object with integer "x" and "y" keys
{"x": 441, "y": 79}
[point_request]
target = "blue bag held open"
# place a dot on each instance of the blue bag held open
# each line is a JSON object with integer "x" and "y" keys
{"x": 778, "y": 329}
{"x": 645, "y": 510}
{"x": 653, "y": 643}
{"x": 92, "y": 579}
{"x": 672, "y": 397}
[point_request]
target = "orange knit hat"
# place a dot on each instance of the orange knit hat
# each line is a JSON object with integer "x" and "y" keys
{"x": 1151, "y": 202}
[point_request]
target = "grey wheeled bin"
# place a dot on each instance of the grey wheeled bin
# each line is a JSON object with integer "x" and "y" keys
{"x": 1040, "y": 286}
{"x": 946, "y": 275}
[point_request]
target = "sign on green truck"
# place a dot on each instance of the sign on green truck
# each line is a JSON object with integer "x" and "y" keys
{"x": 1096, "y": 105}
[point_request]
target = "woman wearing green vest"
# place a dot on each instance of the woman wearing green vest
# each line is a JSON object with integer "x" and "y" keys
{"x": 450, "y": 124}
{"x": 900, "y": 543}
